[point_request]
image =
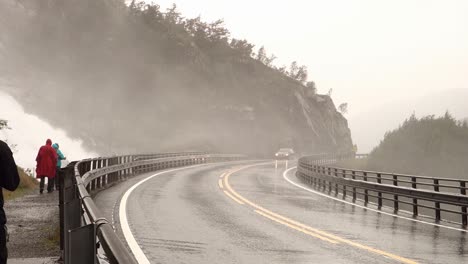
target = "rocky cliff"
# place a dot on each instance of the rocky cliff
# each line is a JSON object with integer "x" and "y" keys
{"x": 131, "y": 81}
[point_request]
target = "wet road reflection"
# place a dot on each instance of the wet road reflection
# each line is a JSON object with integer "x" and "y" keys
{"x": 421, "y": 242}
{"x": 186, "y": 217}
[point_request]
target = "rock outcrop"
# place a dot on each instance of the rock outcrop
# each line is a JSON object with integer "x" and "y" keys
{"x": 103, "y": 74}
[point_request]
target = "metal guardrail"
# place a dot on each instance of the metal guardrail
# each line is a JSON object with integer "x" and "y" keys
{"x": 83, "y": 226}
{"x": 445, "y": 198}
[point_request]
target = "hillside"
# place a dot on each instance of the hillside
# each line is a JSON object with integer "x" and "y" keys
{"x": 128, "y": 79}
{"x": 427, "y": 146}
{"x": 388, "y": 116}
{"x": 27, "y": 184}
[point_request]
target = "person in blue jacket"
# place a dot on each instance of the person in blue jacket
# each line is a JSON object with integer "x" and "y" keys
{"x": 60, "y": 157}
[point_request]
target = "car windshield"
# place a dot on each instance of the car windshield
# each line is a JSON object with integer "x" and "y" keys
{"x": 286, "y": 150}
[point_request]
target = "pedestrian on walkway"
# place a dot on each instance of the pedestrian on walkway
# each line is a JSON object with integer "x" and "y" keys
{"x": 60, "y": 157}
{"x": 46, "y": 165}
{"x": 9, "y": 179}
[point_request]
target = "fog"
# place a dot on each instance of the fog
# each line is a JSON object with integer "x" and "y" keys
{"x": 385, "y": 59}
{"x": 127, "y": 81}
{"x": 122, "y": 84}
{"x": 28, "y": 133}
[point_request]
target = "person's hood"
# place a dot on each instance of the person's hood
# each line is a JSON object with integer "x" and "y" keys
{"x": 55, "y": 146}
{"x": 48, "y": 142}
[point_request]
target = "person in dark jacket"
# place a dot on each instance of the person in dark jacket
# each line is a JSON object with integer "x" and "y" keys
{"x": 46, "y": 165}
{"x": 9, "y": 179}
{"x": 60, "y": 157}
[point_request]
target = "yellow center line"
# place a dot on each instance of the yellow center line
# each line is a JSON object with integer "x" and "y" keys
{"x": 295, "y": 227}
{"x": 234, "y": 198}
{"x": 220, "y": 183}
{"x": 273, "y": 216}
{"x": 301, "y": 227}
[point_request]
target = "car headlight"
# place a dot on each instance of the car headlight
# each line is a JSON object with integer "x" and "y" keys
{"x": 287, "y": 154}
{"x": 276, "y": 155}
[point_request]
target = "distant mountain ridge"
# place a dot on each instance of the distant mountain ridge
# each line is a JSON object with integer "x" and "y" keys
{"x": 136, "y": 79}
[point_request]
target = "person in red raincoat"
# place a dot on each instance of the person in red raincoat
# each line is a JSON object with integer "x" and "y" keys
{"x": 46, "y": 164}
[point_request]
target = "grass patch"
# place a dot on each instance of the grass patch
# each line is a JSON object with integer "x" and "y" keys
{"x": 52, "y": 239}
{"x": 27, "y": 183}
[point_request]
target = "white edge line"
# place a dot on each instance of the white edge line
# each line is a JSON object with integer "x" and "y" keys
{"x": 364, "y": 207}
{"x": 132, "y": 243}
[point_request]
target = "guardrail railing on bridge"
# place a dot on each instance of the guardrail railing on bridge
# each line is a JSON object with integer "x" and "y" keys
{"x": 82, "y": 224}
{"x": 445, "y": 198}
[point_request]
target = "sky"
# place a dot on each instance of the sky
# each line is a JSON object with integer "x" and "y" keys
{"x": 370, "y": 52}
{"x": 29, "y": 133}
{"x": 376, "y": 56}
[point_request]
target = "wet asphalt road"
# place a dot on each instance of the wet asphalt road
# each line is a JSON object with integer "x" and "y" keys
{"x": 186, "y": 217}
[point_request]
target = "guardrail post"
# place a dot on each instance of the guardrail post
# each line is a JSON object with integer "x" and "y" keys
{"x": 395, "y": 197}
{"x": 128, "y": 171}
{"x": 113, "y": 177}
{"x": 88, "y": 166}
{"x": 310, "y": 177}
{"x": 353, "y": 175}
{"x": 336, "y": 184}
{"x": 98, "y": 182}
{"x": 120, "y": 173}
{"x": 437, "y": 204}
{"x": 344, "y": 186}
{"x": 379, "y": 181}
{"x": 68, "y": 173}
{"x": 415, "y": 200}
{"x": 366, "y": 192}
{"x": 315, "y": 178}
{"x": 82, "y": 242}
{"x": 464, "y": 211}
{"x": 72, "y": 216}
{"x": 130, "y": 159}
{"x": 105, "y": 177}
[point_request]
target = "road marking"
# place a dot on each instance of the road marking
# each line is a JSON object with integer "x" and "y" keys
{"x": 220, "y": 183}
{"x": 234, "y": 198}
{"x": 327, "y": 235}
{"x": 222, "y": 175}
{"x": 132, "y": 243}
{"x": 364, "y": 207}
{"x": 303, "y": 230}
{"x": 276, "y": 217}
{"x": 113, "y": 213}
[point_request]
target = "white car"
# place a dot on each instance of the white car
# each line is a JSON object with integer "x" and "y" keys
{"x": 284, "y": 153}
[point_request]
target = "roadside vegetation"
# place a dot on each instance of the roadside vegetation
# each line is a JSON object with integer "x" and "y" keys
{"x": 432, "y": 146}
{"x": 27, "y": 184}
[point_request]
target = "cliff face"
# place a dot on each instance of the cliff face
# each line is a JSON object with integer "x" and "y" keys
{"x": 104, "y": 74}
